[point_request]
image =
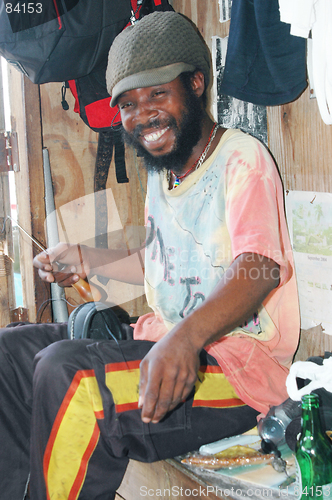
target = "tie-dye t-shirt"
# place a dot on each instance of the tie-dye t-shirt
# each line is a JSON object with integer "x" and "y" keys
{"x": 233, "y": 204}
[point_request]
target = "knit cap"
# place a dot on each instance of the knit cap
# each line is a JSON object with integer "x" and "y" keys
{"x": 155, "y": 51}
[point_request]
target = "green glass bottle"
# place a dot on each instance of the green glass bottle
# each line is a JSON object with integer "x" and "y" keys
{"x": 313, "y": 454}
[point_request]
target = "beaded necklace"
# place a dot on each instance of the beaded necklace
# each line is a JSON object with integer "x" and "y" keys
{"x": 199, "y": 161}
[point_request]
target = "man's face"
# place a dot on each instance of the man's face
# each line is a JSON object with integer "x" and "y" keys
{"x": 163, "y": 123}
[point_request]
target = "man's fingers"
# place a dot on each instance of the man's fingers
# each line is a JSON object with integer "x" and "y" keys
{"x": 167, "y": 376}
{"x": 151, "y": 381}
{"x": 149, "y": 405}
{"x": 184, "y": 393}
{"x": 148, "y": 390}
{"x": 160, "y": 398}
{"x": 63, "y": 279}
{"x": 171, "y": 393}
{"x": 62, "y": 264}
{"x": 42, "y": 263}
{"x": 182, "y": 390}
{"x": 46, "y": 276}
{"x": 42, "y": 260}
{"x": 159, "y": 401}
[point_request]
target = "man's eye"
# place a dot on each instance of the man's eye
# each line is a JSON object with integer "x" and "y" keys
{"x": 159, "y": 93}
{"x": 125, "y": 105}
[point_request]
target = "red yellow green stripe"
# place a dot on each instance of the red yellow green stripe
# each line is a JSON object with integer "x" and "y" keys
{"x": 122, "y": 379}
{"x": 213, "y": 390}
{"x": 74, "y": 436}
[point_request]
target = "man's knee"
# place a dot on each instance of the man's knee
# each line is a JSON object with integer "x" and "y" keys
{"x": 9, "y": 335}
{"x": 52, "y": 357}
{"x": 36, "y": 336}
{"x": 62, "y": 358}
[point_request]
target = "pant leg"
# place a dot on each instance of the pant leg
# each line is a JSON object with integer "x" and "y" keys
{"x": 86, "y": 422}
{"x": 18, "y": 347}
{"x": 65, "y": 433}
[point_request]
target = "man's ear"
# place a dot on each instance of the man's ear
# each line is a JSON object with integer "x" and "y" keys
{"x": 198, "y": 83}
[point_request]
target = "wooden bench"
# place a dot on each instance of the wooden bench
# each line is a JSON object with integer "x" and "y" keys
{"x": 169, "y": 479}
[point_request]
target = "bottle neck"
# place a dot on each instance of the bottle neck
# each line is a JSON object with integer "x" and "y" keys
{"x": 311, "y": 424}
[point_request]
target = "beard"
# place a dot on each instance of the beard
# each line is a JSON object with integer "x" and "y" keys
{"x": 187, "y": 134}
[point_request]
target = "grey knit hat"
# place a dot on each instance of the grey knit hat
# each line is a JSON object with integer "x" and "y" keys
{"x": 155, "y": 51}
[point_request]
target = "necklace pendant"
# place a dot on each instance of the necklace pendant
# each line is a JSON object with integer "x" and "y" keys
{"x": 200, "y": 160}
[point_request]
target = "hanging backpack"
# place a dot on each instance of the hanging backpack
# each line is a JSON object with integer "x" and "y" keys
{"x": 62, "y": 40}
{"x": 57, "y": 40}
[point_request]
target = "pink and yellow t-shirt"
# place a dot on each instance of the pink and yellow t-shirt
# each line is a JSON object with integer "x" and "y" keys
{"x": 233, "y": 204}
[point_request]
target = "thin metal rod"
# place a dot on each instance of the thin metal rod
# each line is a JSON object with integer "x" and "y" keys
{"x": 36, "y": 242}
{"x": 61, "y": 266}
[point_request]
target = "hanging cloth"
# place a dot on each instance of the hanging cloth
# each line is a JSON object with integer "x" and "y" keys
{"x": 265, "y": 64}
{"x": 314, "y": 17}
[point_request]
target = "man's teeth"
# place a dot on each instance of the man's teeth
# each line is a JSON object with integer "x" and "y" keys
{"x": 155, "y": 135}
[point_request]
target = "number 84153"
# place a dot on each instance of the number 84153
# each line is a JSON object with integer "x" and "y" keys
{"x": 29, "y": 8}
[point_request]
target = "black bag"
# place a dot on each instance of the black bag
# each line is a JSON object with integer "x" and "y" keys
{"x": 58, "y": 40}
{"x": 94, "y": 320}
{"x": 61, "y": 40}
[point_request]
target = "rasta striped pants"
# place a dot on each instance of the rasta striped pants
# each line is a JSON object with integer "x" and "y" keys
{"x": 69, "y": 414}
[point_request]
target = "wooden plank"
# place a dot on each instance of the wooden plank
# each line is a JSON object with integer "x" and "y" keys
{"x": 36, "y": 183}
{"x": 205, "y": 16}
{"x": 7, "y": 296}
{"x": 313, "y": 342}
{"x": 25, "y": 115}
{"x": 7, "y": 292}
{"x": 169, "y": 479}
{"x": 2, "y": 108}
{"x": 4, "y": 292}
{"x": 164, "y": 479}
{"x": 301, "y": 144}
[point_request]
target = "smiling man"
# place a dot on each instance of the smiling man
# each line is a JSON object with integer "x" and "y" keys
{"x": 219, "y": 278}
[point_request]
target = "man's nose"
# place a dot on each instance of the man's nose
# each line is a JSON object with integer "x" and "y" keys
{"x": 145, "y": 112}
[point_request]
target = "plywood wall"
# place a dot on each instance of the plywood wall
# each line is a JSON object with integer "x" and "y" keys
{"x": 301, "y": 144}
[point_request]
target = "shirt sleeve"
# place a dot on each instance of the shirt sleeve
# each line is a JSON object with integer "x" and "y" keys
{"x": 254, "y": 205}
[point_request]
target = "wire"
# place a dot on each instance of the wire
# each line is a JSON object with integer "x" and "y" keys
{"x": 43, "y": 305}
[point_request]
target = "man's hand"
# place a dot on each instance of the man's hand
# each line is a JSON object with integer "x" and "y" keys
{"x": 167, "y": 375}
{"x": 71, "y": 256}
